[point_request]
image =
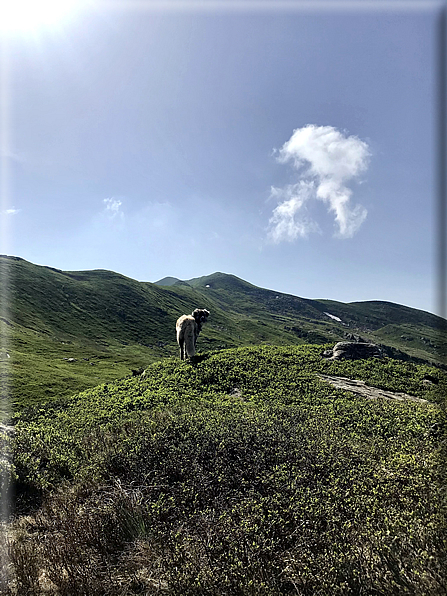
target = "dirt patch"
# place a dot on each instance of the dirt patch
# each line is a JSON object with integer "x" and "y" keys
{"x": 361, "y": 388}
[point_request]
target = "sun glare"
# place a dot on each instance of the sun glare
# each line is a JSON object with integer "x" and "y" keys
{"x": 22, "y": 16}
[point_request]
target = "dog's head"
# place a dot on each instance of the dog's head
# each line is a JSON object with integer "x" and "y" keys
{"x": 200, "y": 315}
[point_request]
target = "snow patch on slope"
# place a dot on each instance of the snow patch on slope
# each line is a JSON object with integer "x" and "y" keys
{"x": 333, "y": 317}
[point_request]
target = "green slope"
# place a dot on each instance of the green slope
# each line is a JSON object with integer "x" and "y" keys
{"x": 374, "y": 314}
{"x": 415, "y": 332}
{"x": 105, "y": 323}
{"x": 71, "y": 330}
{"x": 418, "y": 333}
{"x": 171, "y": 281}
{"x": 243, "y": 474}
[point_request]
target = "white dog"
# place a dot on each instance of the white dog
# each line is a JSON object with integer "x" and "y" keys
{"x": 188, "y": 328}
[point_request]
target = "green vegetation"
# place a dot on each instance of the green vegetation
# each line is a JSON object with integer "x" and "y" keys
{"x": 69, "y": 331}
{"x": 242, "y": 474}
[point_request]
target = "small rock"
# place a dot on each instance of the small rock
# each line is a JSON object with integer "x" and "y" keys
{"x": 137, "y": 372}
{"x": 354, "y": 338}
{"x": 430, "y": 380}
{"x": 7, "y": 430}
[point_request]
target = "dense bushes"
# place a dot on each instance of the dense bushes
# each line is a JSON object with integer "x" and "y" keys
{"x": 242, "y": 475}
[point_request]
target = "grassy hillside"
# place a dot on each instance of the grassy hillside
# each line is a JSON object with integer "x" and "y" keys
{"x": 244, "y": 474}
{"x": 417, "y": 333}
{"x": 67, "y": 331}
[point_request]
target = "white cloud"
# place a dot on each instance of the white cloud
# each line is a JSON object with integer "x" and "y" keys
{"x": 286, "y": 222}
{"x": 328, "y": 161}
{"x": 12, "y": 211}
{"x": 113, "y": 207}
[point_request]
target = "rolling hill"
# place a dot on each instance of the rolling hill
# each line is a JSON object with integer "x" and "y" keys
{"x": 66, "y": 331}
{"x": 245, "y": 472}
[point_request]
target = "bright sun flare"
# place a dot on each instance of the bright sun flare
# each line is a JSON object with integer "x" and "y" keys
{"x": 31, "y": 15}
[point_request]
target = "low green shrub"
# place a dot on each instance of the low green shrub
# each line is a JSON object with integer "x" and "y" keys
{"x": 242, "y": 474}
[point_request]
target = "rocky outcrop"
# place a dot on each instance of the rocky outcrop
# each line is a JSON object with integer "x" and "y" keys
{"x": 351, "y": 350}
{"x": 361, "y": 388}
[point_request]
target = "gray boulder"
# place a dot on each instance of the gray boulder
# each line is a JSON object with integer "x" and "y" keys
{"x": 350, "y": 350}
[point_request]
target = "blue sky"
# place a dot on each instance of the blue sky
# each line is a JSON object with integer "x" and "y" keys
{"x": 293, "y": 148}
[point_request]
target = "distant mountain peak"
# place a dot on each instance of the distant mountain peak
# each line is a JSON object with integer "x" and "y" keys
{"x": 219, "y": 280}
{"x": 171, "y": 281}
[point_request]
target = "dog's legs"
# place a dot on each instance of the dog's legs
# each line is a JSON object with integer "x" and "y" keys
{"x": 182, "y": 349}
